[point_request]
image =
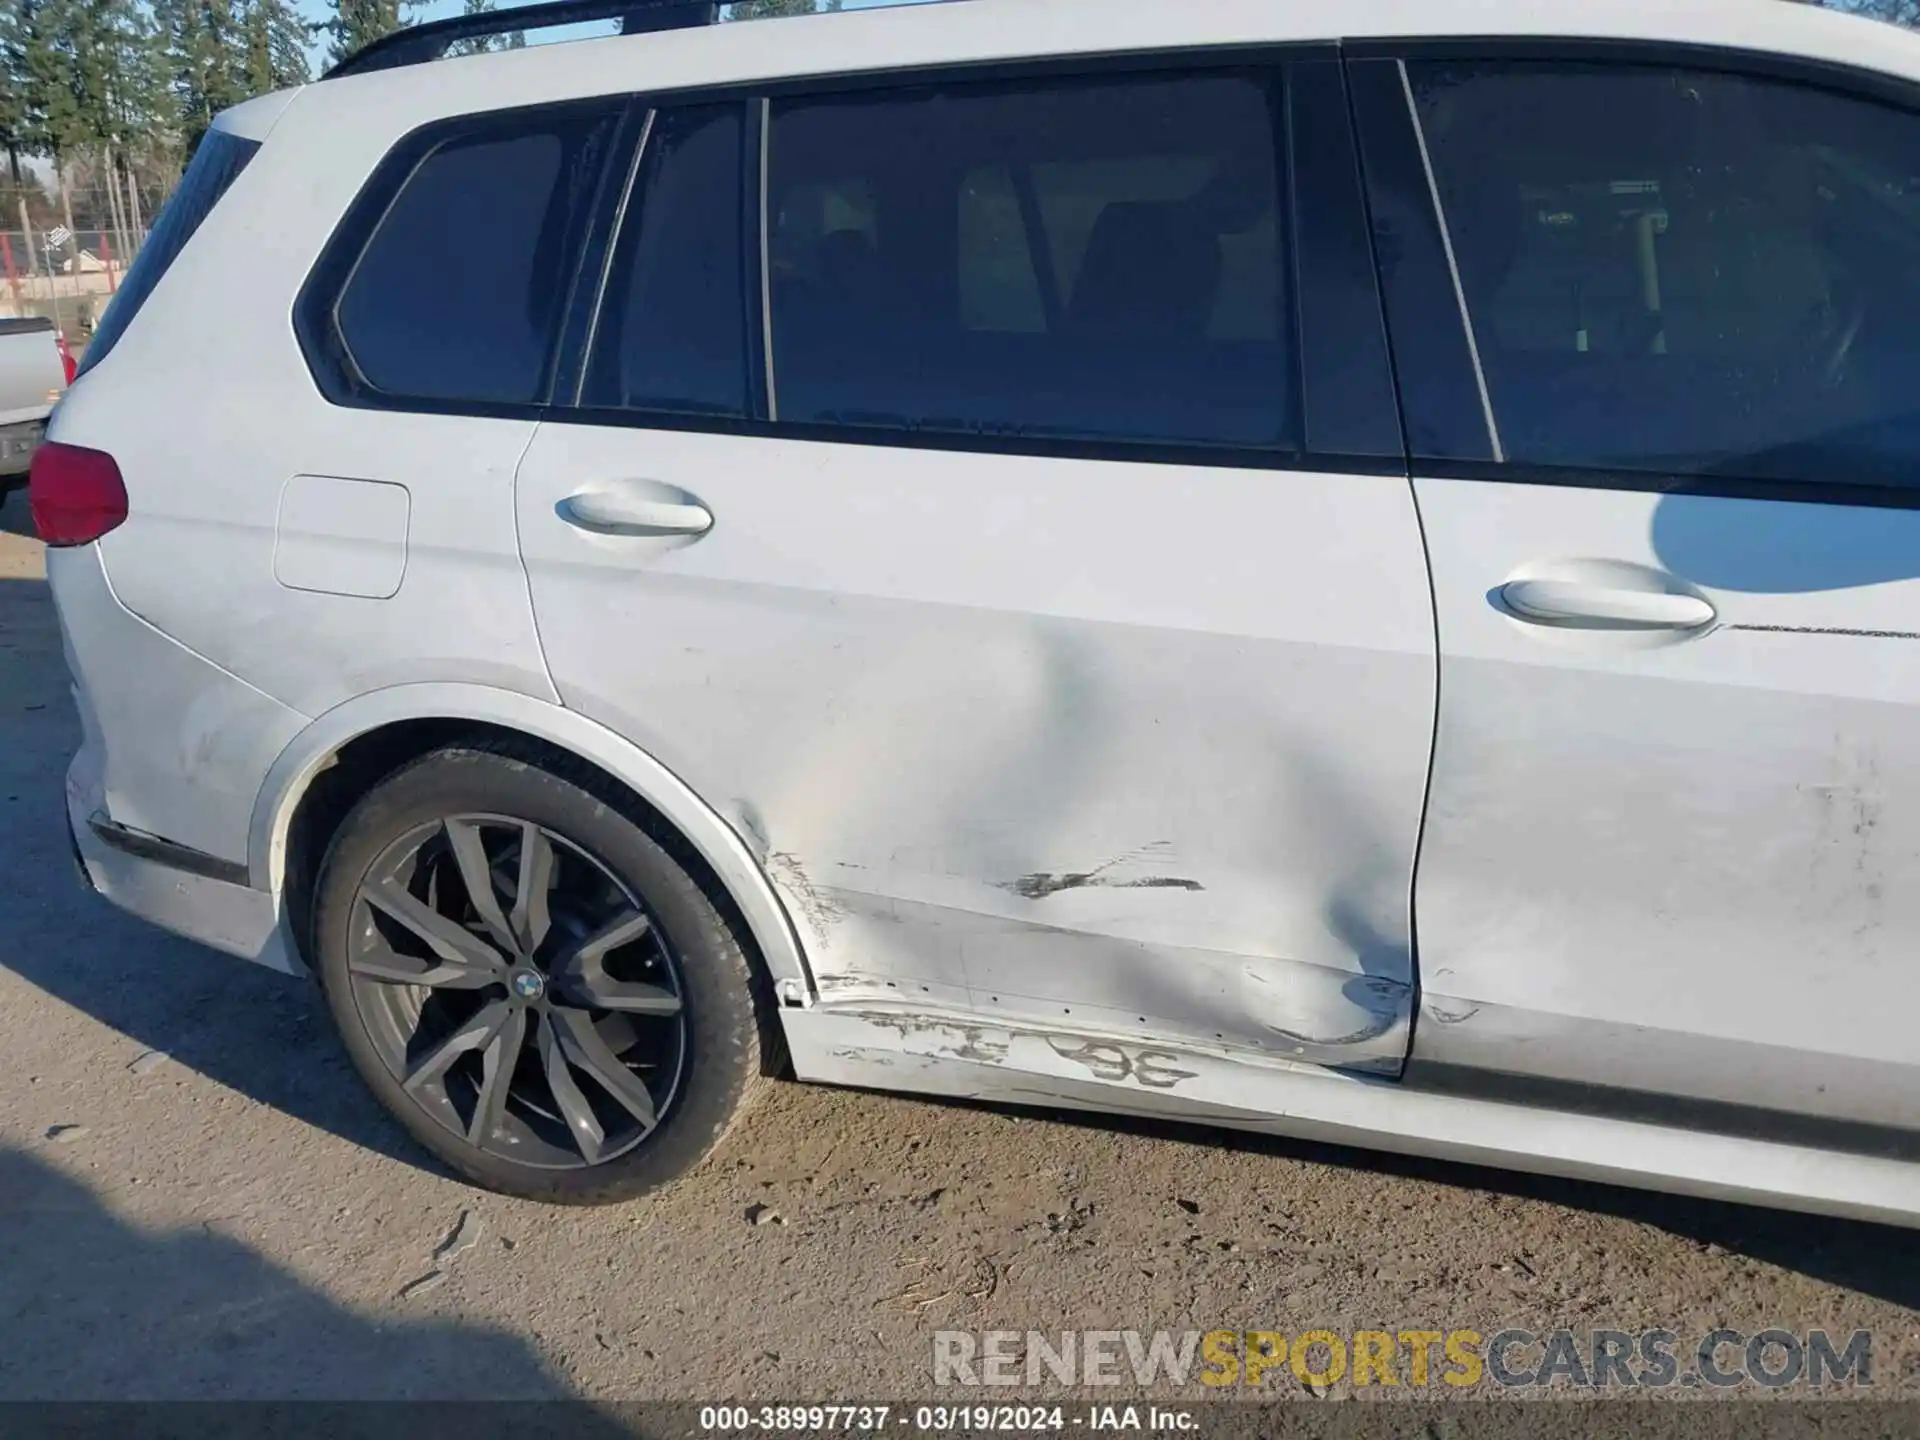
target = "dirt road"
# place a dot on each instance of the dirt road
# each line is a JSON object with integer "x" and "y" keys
{"x": 200, "y": 1201}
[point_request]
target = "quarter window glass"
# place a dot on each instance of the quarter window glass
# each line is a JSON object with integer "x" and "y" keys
{"x": 460, "y": 291}
{"x": 673, "y": 326}
{"x": 1082, "y": 260}
{"x": 1683, "y": 271}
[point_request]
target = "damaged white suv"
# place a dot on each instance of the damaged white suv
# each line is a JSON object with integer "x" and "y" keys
{"x": 1350, "y": 570}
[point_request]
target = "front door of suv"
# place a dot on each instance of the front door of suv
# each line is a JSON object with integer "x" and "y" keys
{"x": 1669, "y": 480}
{"x": 1063, "y": 648}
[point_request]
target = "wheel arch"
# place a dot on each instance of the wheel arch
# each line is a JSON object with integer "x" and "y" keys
{"x": 395, "y": 724}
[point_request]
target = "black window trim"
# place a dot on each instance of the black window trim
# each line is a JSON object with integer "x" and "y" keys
{"x": 603, "y": 245}
{"x": 1139, "y": 452}
{"x": 1415, "y": 290}
{"x": 1838, "y": 77}
{"x": 577, "y": 344}
{"x": 1833, "y": 77}
{"x": 1319, "y": 384}
{"x": 1445, "y": 228}
{"x": 1269, "y": 61}
{"x": 323, "y": 287}
{"x": 1287, "y": 200}
{"x": 625, "y": 157}
{"x": 316, "y": 306}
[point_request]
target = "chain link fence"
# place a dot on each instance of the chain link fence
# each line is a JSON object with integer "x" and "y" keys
{"x": 68, "y": 276}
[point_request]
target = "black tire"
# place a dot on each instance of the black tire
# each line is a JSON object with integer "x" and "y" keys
{"x": 724, "y": 1021}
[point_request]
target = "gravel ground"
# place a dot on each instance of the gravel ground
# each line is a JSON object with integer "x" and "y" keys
{"x": 201, "y": 1202}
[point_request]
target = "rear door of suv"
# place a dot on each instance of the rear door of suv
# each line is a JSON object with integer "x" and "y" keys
{"x": 947, "y": 499}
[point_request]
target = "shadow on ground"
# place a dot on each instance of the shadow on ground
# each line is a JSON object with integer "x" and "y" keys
{"x": 264, "y": 1035}
{"x": 15, "y": 517}
{"x": 94, "y": 1309}
{"x": 1876, "y": 1260}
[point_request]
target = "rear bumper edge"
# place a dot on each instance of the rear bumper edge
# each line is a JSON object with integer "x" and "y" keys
{"x": 199, "y": 899}
{"x": 79, "y": 860}
{"x": 164, "y": 852}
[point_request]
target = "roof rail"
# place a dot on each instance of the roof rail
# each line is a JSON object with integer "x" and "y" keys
{"x": 417, "y": 44}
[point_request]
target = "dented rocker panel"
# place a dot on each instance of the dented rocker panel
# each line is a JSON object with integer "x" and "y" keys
{"x": 956, "y": 1055}
{"x": 1014, "y": 970}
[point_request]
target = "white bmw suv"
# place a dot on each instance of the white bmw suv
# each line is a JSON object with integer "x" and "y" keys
{"x": 1344, "y": 569}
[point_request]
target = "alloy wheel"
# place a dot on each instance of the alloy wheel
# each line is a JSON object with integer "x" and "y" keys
{"x": 522, "y": 995}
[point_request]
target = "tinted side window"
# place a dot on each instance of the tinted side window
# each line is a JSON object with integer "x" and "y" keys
{"x": 458, "y": 294}
{"x": 1096, "y": 259}
{"x": 214, "y": 167}
{"x": 672, "y": 334}
{"x": 1685, "y": 271}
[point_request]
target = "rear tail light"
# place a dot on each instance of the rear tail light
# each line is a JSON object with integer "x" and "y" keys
{"x": 67, "y": 362}
{"x": 76, "y": 494}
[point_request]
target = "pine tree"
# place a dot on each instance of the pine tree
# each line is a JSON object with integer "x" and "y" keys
{"x": 276, "y": 45}
{"x": 47, "y": 76}
{"x": 480, "y": 44}
{"x": 103, "y": 113}
{"x": 20, "y": 106}
{"x": 13, "y": 90}
{"x": 93, "y": 49}
{"x": 355, "y": 23}
{"x": 222, "y": 61}
{"x": 176, "y": 30}
{"x": 55, "y": 125}
{"x": 149, "y": 109}
{"x": 207, "y": 59}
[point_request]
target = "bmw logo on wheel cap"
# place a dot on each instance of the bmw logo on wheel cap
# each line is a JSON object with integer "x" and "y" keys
{"x": 528, "y": 984}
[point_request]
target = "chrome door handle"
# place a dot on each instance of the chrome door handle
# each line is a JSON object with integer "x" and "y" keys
{"x": 1574, "y": 604}
{"x": 617, "y": 512}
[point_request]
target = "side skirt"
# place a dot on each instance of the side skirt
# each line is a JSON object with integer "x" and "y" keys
{"x": 955, "y": 1054}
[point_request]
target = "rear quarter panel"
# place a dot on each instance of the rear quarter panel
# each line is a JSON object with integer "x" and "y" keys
{"x": 208, "y": 406}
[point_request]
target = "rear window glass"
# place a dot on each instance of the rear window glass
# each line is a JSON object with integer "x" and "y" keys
{"x": 460, "y": 291}
{"x": 215, "y": 166}
{"x": 1080, "y": 259}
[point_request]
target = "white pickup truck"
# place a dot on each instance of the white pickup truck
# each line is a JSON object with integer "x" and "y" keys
{"x": 35, "y": 367}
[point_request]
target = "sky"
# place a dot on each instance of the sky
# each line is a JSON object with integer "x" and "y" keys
{"x": 440, "y": 9}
